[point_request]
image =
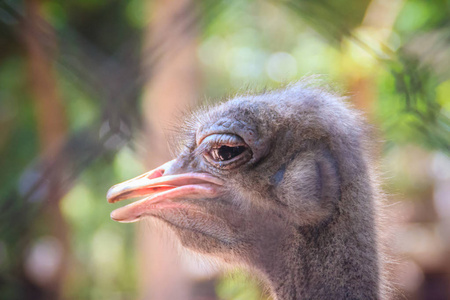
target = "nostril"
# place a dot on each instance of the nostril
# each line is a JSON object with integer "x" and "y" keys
{"x": 169, "y": 168}
{"x": 156, "y": 174}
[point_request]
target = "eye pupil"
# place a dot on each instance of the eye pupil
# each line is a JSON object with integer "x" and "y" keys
{"x": 225, "y": 153}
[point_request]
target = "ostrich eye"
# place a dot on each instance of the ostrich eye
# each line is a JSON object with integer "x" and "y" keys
{"x": 225, "y": 151}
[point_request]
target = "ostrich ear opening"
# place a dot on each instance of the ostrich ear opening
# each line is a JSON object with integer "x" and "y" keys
{"x": 309, "y": 186}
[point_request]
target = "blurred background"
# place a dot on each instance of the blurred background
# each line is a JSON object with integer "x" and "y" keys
{"x": 91, "y": 89}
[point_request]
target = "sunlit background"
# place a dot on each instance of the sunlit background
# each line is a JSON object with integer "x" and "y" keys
{"x": 90, "y": 91}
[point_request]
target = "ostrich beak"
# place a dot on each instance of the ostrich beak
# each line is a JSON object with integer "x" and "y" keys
{"x": 159, "y": 188}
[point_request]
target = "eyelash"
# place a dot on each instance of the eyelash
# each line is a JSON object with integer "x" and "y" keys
{"x": 224, "y": 151}
{"x": 216, "y": 140}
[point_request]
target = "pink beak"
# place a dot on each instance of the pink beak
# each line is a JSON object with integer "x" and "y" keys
{"x": 159, "y": 190}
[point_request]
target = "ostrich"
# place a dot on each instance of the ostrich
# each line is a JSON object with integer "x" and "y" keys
{"x": 278, "y": 182}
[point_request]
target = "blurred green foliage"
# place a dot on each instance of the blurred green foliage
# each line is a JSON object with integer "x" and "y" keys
{"x": 243, "y": 44}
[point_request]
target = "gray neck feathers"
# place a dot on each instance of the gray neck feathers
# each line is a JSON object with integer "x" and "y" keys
{"x": 339, "y": 258}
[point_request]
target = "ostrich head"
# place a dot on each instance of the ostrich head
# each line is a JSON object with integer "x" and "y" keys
{"x": 263, "y": 180}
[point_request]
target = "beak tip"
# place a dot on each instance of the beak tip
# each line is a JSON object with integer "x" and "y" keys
{"x": 111, "y": 194}
{"x": 115, "y": 216}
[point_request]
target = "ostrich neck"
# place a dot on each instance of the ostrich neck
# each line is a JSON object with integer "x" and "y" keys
{"x": 336, "y": 261}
